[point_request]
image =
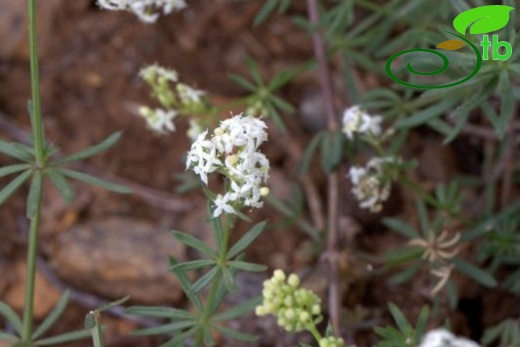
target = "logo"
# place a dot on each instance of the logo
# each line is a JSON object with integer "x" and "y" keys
{"x": 480, "y": 20}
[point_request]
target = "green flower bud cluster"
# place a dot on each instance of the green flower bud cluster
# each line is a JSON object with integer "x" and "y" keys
{"x": 331, "y": 341}
{"x": 296, "y": 308}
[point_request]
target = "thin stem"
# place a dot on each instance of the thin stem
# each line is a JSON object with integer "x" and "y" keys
{"x": 30, "y": 277}
{"x": 332, "y": 179}
{"x": 37, "y": 125}
{"x": 39, "y": 150}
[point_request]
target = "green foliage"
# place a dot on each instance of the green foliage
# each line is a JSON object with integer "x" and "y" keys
{"x": 406, "y": 334}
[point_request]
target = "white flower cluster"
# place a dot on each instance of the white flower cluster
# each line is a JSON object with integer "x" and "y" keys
{"x": 154, "y": 72}
{"x": 296, "y": 308}
{"x": 189, "y": 95}
{"x": 370, "y": 187}
{"x": 356, "y": 120}
{"x": 444, "y": 338}
{"x": 146, "y": 10}
{"x": 184, "y": 101}
{"x": 159, "y": 120}
{"x": 233, "y": 152}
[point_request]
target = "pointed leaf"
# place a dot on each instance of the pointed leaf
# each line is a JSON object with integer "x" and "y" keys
{"x": 246, "y": 240}
{"x": 14, "y": 151}
{"x": 9, "y": 338}
{"x": 90, "y": 151}
{"x": 192, "y": 265}
{"x": 239, "y": 310}
{"x": 164, "y": 329}
{"x": 186, "y": 285}
{"x": 13, "y": 185}
{"x": 235, "y": 334}
{"x": 229, "y": 280}
{"x": 35, "y": 194}
{"x": 401, "y": 227}
{"x": 61, "y": 184}
{"x": 483, "y": 19}
{"x": 245, "y": 266}
{"x": 11, "y": 169}
{"x": 474, "y": 272}
{"x": 202, "y": 282}
{"x": 8, "y": 313}
{"x": 193, "y": 242}
{"x": 95, "y": 181}
{"x": 67, "y": 337}
{"x": 159, "y": 312}
{"x": 53, "y": 316}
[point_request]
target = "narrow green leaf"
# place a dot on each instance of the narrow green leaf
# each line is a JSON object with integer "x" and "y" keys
{"x": 11, "y": 317}
{"x": 399, "y": 318}
{"x": 420, "y": 327}
{"x": 95, "y": 181}
{"x": 164, "y": 329}
{"x": 61, "y": 184}
{"x": 309, "y": 151}
{"x": 235, "y": 334}
{"x": 8, "y": 338}
{"x": 113, "y": 303}
{"x": 265, "y": 11}
{"x": 403, "y": 255}
{"x": 180, "y": 339}
{"x": 253, "y": 69}
{"x": 90, "y": 151}
{"x": 246, "y": 240}
{"x": 53, "y": 315}
{"x": 35, "y": 194}
{"x": 13, "y": 185}
{"x": 406, "y": 274}
{"x": 192, "y": 265}
{"x": 243, "y": 82}
{"x": 195, "y": 243}
{"x": 159, "y": 312}
{"x": 401, "y": 227}
{"x": 245, "y": 266}
{"x": 331, "y": 150}
{"x": 238, "y": 311}
{"x": 474, "y": 272}
{"x": 428, "y": 113}
{"x": 8, "y": 170}
{"x": 67, "y": 337}
{"x": 186, "y": 285}
{"x": 507, "y": 106}
{"x": 12, "y": 150}
{"x": 203, "y": 281}
{"x": 229, "y": 281}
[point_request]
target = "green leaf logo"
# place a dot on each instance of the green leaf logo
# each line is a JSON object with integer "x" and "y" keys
{"x": 483, "y": 19}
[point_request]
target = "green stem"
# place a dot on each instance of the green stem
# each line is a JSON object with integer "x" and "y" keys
{"x": 30, "y": 278}
{"x": 37, "y": 125}
{"x": 39, "y": 150}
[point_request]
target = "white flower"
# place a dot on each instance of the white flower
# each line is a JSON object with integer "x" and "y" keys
{"x": 369, "y": 185}
{"x": 233, "y": 151}
{"x": 221, "y": 204}
{"x": 152, "y": 72}
{"x": 444, "y": 338}
{"x": 159, "y": 120}
{"x": 355, "y": 120}
{"x": 195, "y": 130}
{"x": 144, "y": 9}
{"x": 189, "y": 95}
